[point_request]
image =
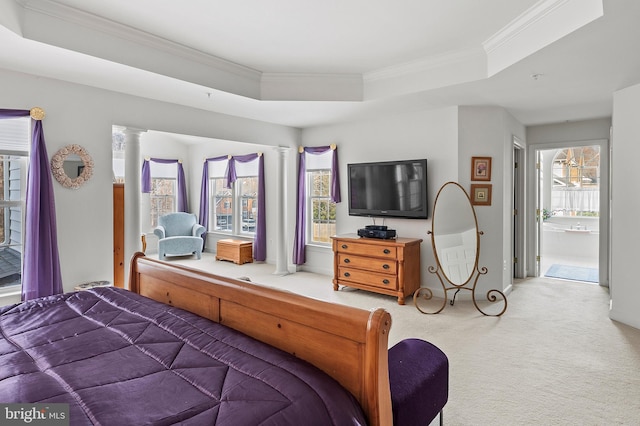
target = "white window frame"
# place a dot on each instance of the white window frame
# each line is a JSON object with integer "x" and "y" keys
{"x": 159, "y": 171}
{"x": 239, "y": 226}
{"x": 173, "y": 196}
{"x": 314, "y": 164}
{"x": 213, "y": 219}
{"x": 15, "y": 150}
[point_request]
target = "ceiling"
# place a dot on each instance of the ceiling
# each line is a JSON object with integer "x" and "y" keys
{"x": 306, "y": 63}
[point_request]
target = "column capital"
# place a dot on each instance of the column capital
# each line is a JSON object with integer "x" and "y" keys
{"x": 282, "y": 150}
{"x": 131, "y": 131}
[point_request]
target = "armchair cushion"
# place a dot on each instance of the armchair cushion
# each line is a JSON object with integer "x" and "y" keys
{"x": 179, "y": 234}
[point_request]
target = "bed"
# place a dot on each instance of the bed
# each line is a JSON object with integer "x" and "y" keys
{"x": 117, "y": 357}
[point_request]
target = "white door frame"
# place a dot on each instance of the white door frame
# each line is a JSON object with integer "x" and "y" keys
{"x": 532, "y": 203}
{"x": 519, "y": 210}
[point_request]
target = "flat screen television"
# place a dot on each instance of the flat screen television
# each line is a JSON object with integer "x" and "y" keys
{"x": 388, "y": 189}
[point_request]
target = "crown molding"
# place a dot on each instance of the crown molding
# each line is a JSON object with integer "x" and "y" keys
{"x": 12, "y": 16}
{"x": 544, "y": 23}
{"x": 528, "y": 18}
{"x": 130, "y": 34}
{"x": 540, "y": 25}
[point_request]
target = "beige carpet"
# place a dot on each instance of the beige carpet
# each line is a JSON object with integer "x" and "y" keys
{"x": 554, "y": 357}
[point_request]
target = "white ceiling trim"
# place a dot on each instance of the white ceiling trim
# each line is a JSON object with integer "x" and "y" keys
{"x": 426, "y": 73}
{"x": 544, "y": 23}
{"x": 134, "y": 35}
{"x": 418, "y": 76}
{"x": 526, "y": 19}
{"x": 11, "y": 16}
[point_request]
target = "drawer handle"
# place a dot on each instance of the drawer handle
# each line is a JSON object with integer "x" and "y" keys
{"x": 385, "y": 266}
{"x": 347, "y": 261}
{"x": 346, "y": 274}
{"x": 386, "y": 251}
{"x": 344, "y": 246}
{"x": 385, "y": 281}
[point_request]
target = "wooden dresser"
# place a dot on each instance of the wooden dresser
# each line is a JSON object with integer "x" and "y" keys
{"x": 382, "y": 266}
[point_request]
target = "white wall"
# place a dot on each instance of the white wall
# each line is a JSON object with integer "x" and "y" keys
{"x": 489, "y": 132}
{"x": 426, "y": 134}
{"x": 569, "y": 132}
{"x": 625, "y": 205}
{"x": 448, "y": 138}
{"x": 85, "y": 115}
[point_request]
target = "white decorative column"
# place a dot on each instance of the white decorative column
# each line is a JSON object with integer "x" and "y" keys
{"x": 132, "y": 187}
{"x": 281, "y": 229}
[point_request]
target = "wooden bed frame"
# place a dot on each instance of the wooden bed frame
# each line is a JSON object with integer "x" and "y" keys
{"x": 349, "y": 344}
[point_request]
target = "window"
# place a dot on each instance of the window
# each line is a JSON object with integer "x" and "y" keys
{"x": 14, "y": 145}
{"x": 163, "y": 198}
{"x": 234, "y": 210}
{"x": 222, "y": 212}
{"x": 321, "y": 211}
{"x": 248, "y": 193}
{"x": 576, "y": 182}
{"x": 117, "y": 149}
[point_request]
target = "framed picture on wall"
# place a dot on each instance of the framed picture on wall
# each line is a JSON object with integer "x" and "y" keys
{"x": 481, "y": 168}
{"x": 481, "y": 194}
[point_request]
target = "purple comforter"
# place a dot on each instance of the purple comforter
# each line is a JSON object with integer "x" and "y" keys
{"x": 121, "y": 359}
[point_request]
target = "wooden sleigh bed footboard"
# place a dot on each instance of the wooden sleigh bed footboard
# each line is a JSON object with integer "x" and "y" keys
{"x": 349, "y": 344}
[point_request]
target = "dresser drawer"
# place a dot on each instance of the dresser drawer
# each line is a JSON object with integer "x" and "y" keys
{"x": 368, "y": 278}
{"x": 387, "y": 266}
{"x": 375, "y": 250}
{"x": 390, "y": 267}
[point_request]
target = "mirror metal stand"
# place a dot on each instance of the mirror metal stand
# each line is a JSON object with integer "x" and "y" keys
{"x": 493, "y": 295}
{"x": 456, "y": 246}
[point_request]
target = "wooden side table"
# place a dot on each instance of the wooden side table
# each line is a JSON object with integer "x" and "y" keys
{"x": 236, "y": 251}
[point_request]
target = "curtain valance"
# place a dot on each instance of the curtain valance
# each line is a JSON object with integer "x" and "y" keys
{"x": 260, "y": 240}
{"x": 300, "y": 242}
{"x": 182, "y": 187}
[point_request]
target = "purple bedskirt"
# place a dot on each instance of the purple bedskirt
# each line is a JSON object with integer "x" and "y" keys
{"x": 118, "y": 358}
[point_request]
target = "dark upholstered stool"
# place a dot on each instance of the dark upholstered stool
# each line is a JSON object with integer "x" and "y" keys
{"x": 419, "y": 379}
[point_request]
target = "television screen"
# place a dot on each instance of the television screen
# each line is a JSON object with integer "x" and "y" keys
{"x": 391, "y": 189}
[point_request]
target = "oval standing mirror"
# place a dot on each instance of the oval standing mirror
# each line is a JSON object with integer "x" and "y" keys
{"x": 456, "y": 246}
{"x": 455, "y": 234}
{"x": 72, "y": 166}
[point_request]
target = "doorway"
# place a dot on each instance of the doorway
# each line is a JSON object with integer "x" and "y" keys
{"x": 518, "y": 209}
{"x": 571, "y": 211}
